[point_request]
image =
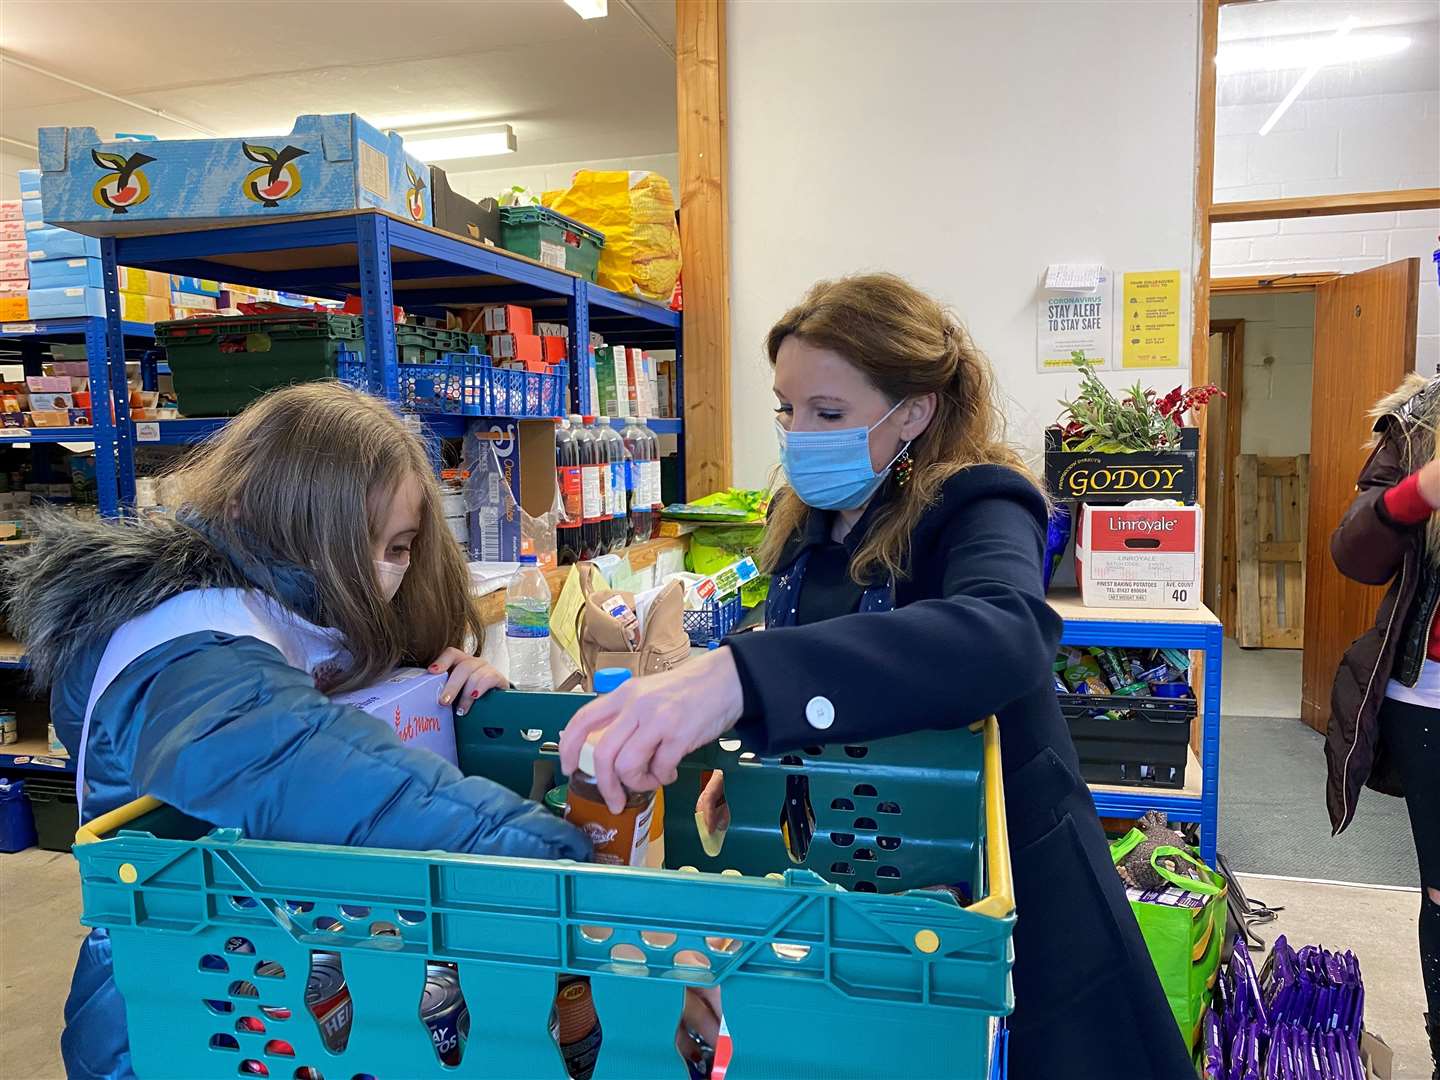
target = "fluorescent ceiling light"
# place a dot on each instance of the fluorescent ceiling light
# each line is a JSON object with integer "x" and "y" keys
{"x": 1325, "y": 53}
{"x": 455, "y": 141}
{"x": 1295, "y": 53}
{"x": 589, "y": 9}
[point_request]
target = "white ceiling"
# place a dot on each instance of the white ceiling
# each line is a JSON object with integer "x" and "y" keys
{"x": 572, "y": 89}
{"x": 1416, "y": 69}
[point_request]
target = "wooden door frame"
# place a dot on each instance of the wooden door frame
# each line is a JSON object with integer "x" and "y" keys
{"x": 1232, "y": 333}
{"x": 700, "y": 111}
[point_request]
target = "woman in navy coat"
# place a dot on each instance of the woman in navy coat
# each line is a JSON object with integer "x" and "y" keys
{"x": 906, "y": 554}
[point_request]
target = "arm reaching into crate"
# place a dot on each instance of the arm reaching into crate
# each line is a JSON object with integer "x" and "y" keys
{"x": 223, "y": 729}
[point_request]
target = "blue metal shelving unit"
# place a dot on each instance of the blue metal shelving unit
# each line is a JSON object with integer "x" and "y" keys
{"x": 1196, "y": 630}
{"x": 386, "y": 260}
{"x": 106, "y": 358}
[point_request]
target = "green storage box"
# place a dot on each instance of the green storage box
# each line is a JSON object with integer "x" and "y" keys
{"x": 52, "y": 801}
{"x": 221, "y": 365}
{"x": 551, "y": 239}
{"x": 213, "y": 933}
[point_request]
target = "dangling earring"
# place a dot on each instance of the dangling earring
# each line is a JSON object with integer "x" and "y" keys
{"x": 904, "y": 466}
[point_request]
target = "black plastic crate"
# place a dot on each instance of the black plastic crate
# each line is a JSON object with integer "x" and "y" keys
{"x": 1146, "y": 746}
{"x": 56, "y": 810}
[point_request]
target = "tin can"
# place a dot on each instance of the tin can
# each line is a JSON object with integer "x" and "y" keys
{"x": 251, "y": 1067}
{"x": 9, "y": 727}
{"x": 328, "y": 999}
{"x": 305, "y": 1072}
{"x": 270, "y": 969}
{"x": 444, "y": 1011}
{"x": 239, "y": 945}
{"x": 275, "y": 1012}
{"x": 249, "y": 1023}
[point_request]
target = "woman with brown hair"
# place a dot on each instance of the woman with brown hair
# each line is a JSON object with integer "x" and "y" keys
{"x": 906, "y": 553}
{"x": 190, "y": 659}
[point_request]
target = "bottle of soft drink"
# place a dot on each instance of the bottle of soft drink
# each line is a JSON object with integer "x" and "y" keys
{"x": 591, "y": 504}
{"x": 637, "y": 469}
{"x": 619, "y": 505}
{"x": 567, "y": 475}
{"x": 527, "y": 627}
{"x": 652, "y": 467}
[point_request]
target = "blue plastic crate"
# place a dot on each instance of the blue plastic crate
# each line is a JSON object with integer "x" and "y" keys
{"x": 716, "y": 619}
{"x": 468, "y": 384}
{"x": 350, "y": 369}
{"x": 213, "y": 934}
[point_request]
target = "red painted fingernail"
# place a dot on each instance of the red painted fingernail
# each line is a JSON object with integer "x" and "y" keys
{"x": 474, "y": 693}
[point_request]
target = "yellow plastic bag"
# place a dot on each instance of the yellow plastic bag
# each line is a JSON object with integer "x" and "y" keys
{"x": 636, "y": 212}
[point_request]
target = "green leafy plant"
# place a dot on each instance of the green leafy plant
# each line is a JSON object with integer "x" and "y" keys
{"x": 1137, "y": 420}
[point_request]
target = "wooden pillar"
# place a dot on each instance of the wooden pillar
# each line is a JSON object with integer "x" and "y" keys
{"x": 704, "y": 241}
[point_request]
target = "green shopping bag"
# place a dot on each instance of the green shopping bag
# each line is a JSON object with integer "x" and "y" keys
{"x": 1184, "y": 942}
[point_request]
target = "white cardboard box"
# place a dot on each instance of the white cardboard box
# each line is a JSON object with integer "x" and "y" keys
{"x": 1140, "y": 555}
{"x": 410, "y": 699}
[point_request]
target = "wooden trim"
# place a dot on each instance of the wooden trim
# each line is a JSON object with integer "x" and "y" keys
{"x": 1360, "y": 202}
{"x": 1271, "y": 283}
{"x": 1228, "y": 453}
{"x": 704, "y": 241}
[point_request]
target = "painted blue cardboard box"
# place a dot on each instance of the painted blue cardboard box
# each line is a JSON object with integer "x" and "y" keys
{"x": 66, "y": 273}
{"x": 29, "y": 183}
{"x": 48, "y": 242}
{"x": 69, "y": 303}
{"x": 326, "y": 163}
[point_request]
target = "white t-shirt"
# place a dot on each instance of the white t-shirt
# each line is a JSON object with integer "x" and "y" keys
{"x": 1425, "y": 692}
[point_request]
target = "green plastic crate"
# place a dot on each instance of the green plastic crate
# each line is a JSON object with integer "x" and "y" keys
{"x": 221, "y": 365}
{"x": 539, "y": 233}
{"x": 816, "y": 980}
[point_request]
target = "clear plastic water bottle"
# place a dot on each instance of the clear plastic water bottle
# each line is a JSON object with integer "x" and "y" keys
{"x": 527, "y": 627}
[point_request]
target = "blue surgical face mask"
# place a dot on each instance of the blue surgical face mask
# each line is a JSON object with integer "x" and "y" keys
{"x": 830, "y": 470}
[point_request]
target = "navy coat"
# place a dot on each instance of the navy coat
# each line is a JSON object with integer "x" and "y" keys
{"x": 972, "y": 635}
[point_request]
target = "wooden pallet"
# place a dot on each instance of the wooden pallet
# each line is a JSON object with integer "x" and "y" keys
{"x": 1272, "y": 498}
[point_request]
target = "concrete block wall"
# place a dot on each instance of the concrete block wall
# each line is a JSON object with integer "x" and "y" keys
{"x": 1332, "y": 145}
{"x": 1275, "y": 420}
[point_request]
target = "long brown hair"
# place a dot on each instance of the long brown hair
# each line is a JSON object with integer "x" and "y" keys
{"x": 907, "y": 344}
{"x": 304, "y": 475}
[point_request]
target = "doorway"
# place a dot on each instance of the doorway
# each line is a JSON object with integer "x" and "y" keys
{"x": 1301, "y": 360}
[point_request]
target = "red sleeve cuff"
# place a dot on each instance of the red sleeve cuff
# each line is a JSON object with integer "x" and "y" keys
{"x": 1405, "y": 504}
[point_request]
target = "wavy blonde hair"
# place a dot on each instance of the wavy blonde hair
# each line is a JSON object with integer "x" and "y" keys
{"x": 907, "y": 344}
{"x": 305, "y": 475}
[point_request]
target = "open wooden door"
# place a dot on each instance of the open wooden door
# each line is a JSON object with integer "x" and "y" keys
{"x": 1364, "y": 346}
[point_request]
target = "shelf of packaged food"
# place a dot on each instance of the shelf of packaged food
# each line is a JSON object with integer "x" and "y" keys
{"x": 388, "y": 261}
{"x": 33, "y": 754}
{"x": 48, "y": 435}
{"x": 66, "y": 328}
{"x": 177, "y": 432}
{"x": 12, "y": 653}
{"x": 641, "y": 555}
{"x": 1196, "y": 630}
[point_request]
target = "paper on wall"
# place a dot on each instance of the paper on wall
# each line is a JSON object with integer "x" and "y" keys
{"x": 1075, "y": 324}
{"x": 1150, "y": 319}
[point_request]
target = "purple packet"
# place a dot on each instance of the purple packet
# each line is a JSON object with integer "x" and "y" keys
{"x": 1057, "y": 538}
{"x": 1213, "y": 1066}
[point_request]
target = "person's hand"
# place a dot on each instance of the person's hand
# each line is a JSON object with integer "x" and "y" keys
{"x": 1429, "y": 483}
{"x": 470, "y": 677}
{"x": 647, "y": 725}
{"x": 711, "y": 805}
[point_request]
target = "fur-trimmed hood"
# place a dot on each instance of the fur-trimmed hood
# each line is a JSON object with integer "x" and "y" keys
{"x": 81, "y": 580}
{"x": 1409, "y": 415}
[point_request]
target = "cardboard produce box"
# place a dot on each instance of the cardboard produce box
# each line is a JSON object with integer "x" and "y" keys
{"x": 1139, "y": 556}
{"x": 410, "y": 700}
{"x": 1094, "y": 476}
{"x": 456, "y": 214}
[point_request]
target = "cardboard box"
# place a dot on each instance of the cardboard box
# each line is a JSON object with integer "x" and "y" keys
{"x": 11, "y": 210}
{"x": 144, "y": 282}
{"x": 66, "y": 273}
{"x": 199, "y": 286}
{"x": 456, "y": 214}
{"x": 15, "y": 267}
{"x": 1139, "y": 556}
{"x": 526, "y": 453}
{"x": 508, "y": 319}
{"x": 12, "y": 229}
{"x": 145, "y": 309}
{"x": 523, "y": 347}
{"x": 31, "y": 210}
{"x": 1376, "y": 1056}
{"x": 1095, "y": 477}
{"x": 194, "y": 301}
{"x": 326, "y": 163}
{"x": 553, "y": 348}
{"x": 612, "y": 376}
{"x": 66, "y": 303}
{"x": 48, "y": 384}
{"x": 48, "y": 242}
{"x": 48, "y": 418}
{"x": 409, "y": 699}
{"x": 9, "y": 249}
{"x": 29, "y": 183}
{"x": 15, "y": 308}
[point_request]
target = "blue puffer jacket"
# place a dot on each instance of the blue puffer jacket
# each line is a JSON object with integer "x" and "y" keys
{"x": 224, "y": 729}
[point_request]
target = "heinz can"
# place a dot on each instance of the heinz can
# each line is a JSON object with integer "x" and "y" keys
{"x": 328, "y": 999}
{"x": 444, "y": 1012}
{"x": 239, "y": 945}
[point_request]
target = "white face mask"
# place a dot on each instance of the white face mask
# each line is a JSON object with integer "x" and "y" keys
{"x": 390, "y": 575}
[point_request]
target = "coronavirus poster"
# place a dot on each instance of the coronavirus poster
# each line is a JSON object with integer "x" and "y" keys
{"x": 1075, "y": 326}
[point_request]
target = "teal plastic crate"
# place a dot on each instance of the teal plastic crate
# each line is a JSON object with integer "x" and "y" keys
{"x": 815, "y": 979}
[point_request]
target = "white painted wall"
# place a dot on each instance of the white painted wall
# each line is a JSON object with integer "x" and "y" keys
{"x": 10, "y": 166}
{"x": 964, "y": 146}
{"x": 1275, "y": 420}
{"x": 1332, "y": 141}
{"x": 538, "y": 178}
